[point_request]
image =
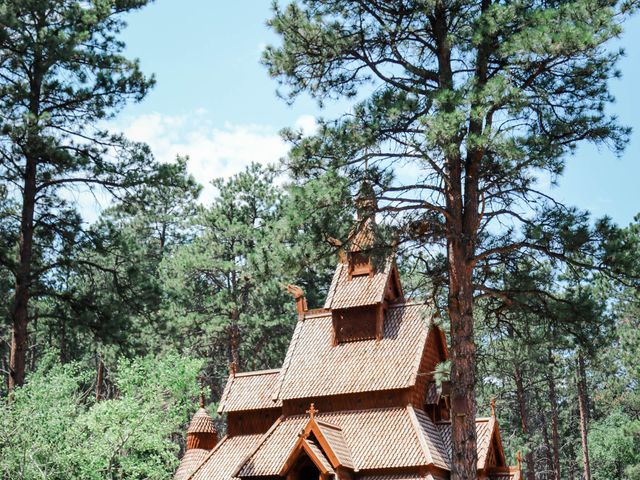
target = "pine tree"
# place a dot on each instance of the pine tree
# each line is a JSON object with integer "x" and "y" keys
{"x": 62, "y": 72}
{"x": 458, "y": 107}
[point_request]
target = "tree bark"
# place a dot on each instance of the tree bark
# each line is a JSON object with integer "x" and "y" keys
{"x": 522, "y": 405}
{"x": 584, "y": 415}
{"x": 20, "y": 307}
{"x": 548, "y": 451}
{"x": 555, "y": 438}
{"x": 20, "y": 310}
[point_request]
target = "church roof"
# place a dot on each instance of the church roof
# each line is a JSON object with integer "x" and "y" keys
{"x": 376, "y": 439}
{"x": 314, "y": 366}
{"x": 201, "y": 422}
{"x": 484, "y": 433}
{"x": 357, "y": 291}
{"x": 250, "y": 391}
{"x": 223, "y": 460}
{"x": 190, "y": 461}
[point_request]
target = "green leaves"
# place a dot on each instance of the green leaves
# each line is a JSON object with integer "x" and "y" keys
{"x": 51, "y": 427}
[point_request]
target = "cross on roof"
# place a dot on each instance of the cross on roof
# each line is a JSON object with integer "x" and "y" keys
{"x": 312, "y": 411}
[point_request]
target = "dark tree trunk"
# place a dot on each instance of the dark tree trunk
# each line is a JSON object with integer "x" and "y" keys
{"x": 463, "y": 405}
{"x": 553, "y": 401}
{"x": 99, "y": 379}
{"x": 548, "y": 452}
{"x": 20, "y": 310}
{"x": 584, "y": 415}
{"x": 522, "y": 405}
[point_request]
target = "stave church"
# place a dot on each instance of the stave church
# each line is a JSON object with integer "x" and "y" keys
{"x": 355, "y": 398}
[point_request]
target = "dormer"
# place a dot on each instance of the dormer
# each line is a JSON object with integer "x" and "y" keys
{"x": 362, "y": 289}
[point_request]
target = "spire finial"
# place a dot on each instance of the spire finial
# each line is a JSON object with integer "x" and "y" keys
{"x": 493, "y": 407}
{"x": 519, "y": 459}
{"x": 201, "y": 396}
{"x": 233, "y": 368}
{"x": 312, "y": 411}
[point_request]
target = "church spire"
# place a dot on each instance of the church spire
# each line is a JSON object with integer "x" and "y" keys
{"x": 202, "y": 432}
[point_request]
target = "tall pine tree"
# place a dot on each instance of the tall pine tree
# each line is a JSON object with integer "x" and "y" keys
{"x": 62, "y": 72}
{"x": 459, "y": 107}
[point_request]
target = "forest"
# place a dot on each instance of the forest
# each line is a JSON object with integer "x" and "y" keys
{"x": 112, "y": 326}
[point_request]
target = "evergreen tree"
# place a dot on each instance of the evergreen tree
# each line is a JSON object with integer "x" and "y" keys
{"x": 62, "y": 72}
{"x": 459, "y": 107}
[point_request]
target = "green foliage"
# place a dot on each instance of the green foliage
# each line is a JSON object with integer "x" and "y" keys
{"x": 225, "y": 289}
{"x": 51, "y": 427}
{"x": 615, "y": 447}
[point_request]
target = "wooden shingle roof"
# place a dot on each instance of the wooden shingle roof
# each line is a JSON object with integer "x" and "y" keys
{"x": 377, "y": 439}
{"x": 314, "y": 367}
{"x": 250, "y": 391}
{"x": 189, "y": 462}
{"x": 223, "y": 460}
{"x": 201, "y": 422}
{"x": 357, "y": 291}
{"x": 484, "y": 434}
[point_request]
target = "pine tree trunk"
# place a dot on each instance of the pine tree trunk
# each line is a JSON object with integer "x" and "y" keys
{"x": 463, "y": 405}
{"x": 553, "y": 401}
{"x": 99, "y": 379}
{"x": 584, "y": 415}
{"x": 20, "y": 310}
{"x": 522, "y": 405}
{"x": 548, "y": 451}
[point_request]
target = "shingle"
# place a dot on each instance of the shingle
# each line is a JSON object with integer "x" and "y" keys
{"x": 440, "y": 455}
{"x": 377, "y": 439}
{"x": 334, "y": 436}
{"x": 394, "y": 476}
{"x": 223, "y": 460}
{"x": 315, "y": 367}
{"x": 432, "y": 394}
{"x": 319, "y": 455}
{"x": 357, "y": 291}
{"x": 250, "y": 391}
{"x": 189, "y": 462}
{"x": 201, "y": 422}
{"x": 484, "y": 432}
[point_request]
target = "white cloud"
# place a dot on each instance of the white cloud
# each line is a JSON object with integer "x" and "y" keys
{"x": 213, "y": 152}
{"x": 306, "y": 123}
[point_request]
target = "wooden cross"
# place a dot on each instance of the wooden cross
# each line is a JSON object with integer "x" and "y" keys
{"x": 312, "y": 411}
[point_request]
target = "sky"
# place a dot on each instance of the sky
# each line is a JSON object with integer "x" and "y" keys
{"x": 216, "y": 103}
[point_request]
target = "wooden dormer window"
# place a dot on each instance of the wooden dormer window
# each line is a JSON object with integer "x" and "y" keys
{"x": 355, "y": 324}
{"x": 359, "y": 265}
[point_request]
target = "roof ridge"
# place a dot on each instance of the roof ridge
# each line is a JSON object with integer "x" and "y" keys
{"x": 266, "y": 435}
{"x": 287, "y": 358}
{"x": 253, "y": 373}
{"x": 317, "y": 312}
{"x": 225, "y": 393}
{"x": 409, "y": 303}
{"x": 417, "y": 429}
{"x": 327, "y": 424}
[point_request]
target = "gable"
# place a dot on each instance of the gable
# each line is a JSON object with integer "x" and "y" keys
{"x": 375, "y": 439}
{"x": 349, "y": 291}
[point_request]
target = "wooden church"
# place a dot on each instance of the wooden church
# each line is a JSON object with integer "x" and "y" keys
{"x": 355, "y": 398}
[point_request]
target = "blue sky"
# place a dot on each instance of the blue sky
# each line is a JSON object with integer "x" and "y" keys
{"x": 216, "y": 103}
